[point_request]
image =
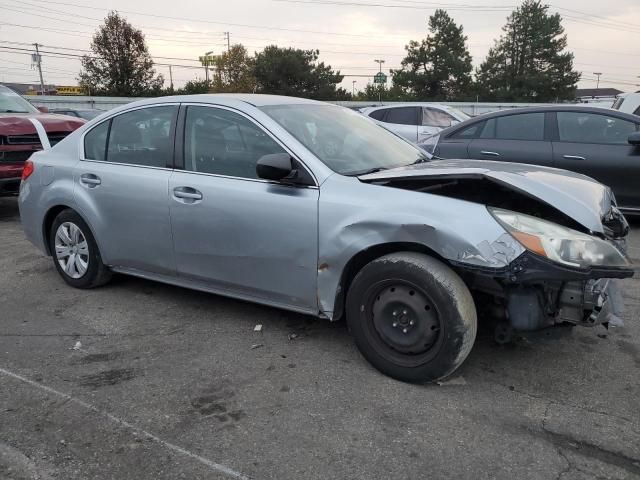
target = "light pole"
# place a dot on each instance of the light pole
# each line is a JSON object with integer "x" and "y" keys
{"x": 597, "y": 74}
{"x": 353, "y": 88}
{"x": 380, "y": 62}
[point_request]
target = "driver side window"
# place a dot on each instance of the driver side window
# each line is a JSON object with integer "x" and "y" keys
{"x": 222, "y": 142}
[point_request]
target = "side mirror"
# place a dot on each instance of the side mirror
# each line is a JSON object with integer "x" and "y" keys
{"x": 634, "y": 139}
{"x": 43, "y": 109}
{"x": 275, "y": 166}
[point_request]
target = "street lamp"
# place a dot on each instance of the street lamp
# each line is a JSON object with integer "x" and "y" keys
{"x": 379, "y": 62}
{"x": 597, "y": 74}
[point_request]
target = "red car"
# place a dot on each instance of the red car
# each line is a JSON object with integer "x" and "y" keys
{"x": 19, "y": 137}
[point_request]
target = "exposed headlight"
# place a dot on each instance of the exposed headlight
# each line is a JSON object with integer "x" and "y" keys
{"x": 558, "y": 243}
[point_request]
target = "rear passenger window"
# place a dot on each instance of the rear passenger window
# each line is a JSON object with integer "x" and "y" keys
{"x": 224, "y": 143}
{"x": 436, "y": 118}
{"x": 402, "y": 115}
{"x": 378, "y": 114}
{"x": 525, "y": 126}
{"x": 95, "y": 142}
{"x": 143, "y": 137}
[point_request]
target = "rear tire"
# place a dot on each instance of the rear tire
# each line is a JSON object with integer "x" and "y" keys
{"x": 75, "y": 252}
{"x": 412, "y": 317}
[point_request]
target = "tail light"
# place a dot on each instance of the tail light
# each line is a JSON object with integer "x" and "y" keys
{"x": 27, "y": 170}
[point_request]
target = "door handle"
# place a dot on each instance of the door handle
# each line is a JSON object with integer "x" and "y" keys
{"x": 90, "y": 180}
{"x": 573, "y": 157}
{"x": 187, "y": 193}
{"x": 491, "y": 154}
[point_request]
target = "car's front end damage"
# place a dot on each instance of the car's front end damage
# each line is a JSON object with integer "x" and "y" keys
{"x": 562, "y": 252}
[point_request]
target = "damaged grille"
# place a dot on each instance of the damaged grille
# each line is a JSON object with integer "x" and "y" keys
{"x": 55, "y": 137}
{"x": 28, "y": 139}
{"x": 615, "y": 225}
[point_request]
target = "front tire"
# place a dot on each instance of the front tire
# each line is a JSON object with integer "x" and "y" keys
{"x": 75, "y": 252}
{"x": 412, "y": 317}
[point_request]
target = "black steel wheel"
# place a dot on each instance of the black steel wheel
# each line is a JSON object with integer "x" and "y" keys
{"x": 412, "y": 317}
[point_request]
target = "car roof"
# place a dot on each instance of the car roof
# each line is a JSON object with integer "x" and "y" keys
{"x": 255, "y": 99}
{"x": 410, "y": 104}
{"x": 541, "y": 109}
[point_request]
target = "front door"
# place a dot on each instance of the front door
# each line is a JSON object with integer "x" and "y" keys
{"x": 123, "y": 182}
{"x": 596, "y": 145}
{"x": 233, "y": 231}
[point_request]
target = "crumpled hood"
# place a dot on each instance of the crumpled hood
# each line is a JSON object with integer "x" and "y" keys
{"x": 19, "y": 124}
{"x": 577, "y": 196}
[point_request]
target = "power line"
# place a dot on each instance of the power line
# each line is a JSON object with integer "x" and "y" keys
{"x": 200, "y": 20}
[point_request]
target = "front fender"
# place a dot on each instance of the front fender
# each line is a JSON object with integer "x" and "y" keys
{"x": 355, "y": 216}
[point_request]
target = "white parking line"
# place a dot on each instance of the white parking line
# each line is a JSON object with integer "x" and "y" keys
{"x": 212, "y": 465}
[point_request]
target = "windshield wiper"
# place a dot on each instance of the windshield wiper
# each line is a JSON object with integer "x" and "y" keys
{"x": 357, "y": 173}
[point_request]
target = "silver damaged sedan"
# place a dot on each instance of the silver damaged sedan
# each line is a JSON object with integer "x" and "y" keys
{"x": 313, "y": 208}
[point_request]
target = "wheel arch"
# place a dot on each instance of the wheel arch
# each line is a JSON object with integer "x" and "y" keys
{"x": 363, "y": 257}
{"x": 49, "y": 218}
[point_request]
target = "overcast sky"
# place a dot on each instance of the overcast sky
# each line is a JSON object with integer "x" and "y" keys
{"x": 350, "y": 34}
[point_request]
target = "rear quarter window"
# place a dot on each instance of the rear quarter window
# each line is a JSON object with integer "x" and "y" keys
{"x": 95, "y": 142}
{"x": 378, "y": 114}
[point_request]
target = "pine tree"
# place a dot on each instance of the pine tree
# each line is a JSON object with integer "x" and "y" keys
{"x": 439, "y": 66}
{"x": 528, "y": 62}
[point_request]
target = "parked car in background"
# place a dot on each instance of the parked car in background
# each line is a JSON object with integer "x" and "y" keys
{"x": 311, "y": 207}
{"x": 628, "y": 103}
{"x": 87, "y": 114}
{"x": 600, "y": 143}
{"x": 19, "y": 136}
{"x": 415, "y": 121}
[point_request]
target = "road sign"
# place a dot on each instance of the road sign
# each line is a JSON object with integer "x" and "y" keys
{"x": 207, "y": 60}
{"x": 379, "y": 78}
{"x": 71, "y": 90}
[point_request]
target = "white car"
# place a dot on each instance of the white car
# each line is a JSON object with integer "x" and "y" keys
{"x": 415, "y": 121}
{"x": 628, "y": 103}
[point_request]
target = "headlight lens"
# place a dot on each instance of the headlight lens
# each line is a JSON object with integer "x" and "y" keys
{"x": 558, "y": 243}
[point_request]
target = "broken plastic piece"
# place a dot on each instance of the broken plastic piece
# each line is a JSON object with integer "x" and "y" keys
{"x": 256, "y": 345}
{"x": 257, "y": 328}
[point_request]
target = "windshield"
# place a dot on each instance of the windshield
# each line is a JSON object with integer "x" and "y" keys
{"x": 346, "y": 141}
{"x": 11, "y": 102}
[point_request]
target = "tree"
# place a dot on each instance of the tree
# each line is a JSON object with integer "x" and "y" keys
{"x": 438, "y": 67}
{"x": 120, "y": 64}
{"x": 528, "y": 62}
{"x": 379, "y": 91}
{"x": 193, "y": 87}
{"x": 295, "y": 72}
{"x": 233, "y": 71}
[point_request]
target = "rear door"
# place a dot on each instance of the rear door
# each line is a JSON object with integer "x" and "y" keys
{"x": 121, "y": 188}
{"x": 520, "y": 137}
{"x": 595, "y": 144}
{"x": 402, "y": 121}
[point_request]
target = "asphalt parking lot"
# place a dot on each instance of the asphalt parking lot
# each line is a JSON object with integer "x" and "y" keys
{"x": 148, "y": 381}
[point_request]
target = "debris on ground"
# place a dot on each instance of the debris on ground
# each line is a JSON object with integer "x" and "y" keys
{"x": 453, "y": 381}
{"x": 77, "y": 346}
{"x": 257, "y": 328}
{"x": 292, "y": 336}
{"x": 256, "y": 345}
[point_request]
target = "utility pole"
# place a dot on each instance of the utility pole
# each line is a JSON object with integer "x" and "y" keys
{"x": 227, "y": 36}
{"x": 39, "y": 65}
{"x": 170, "y": 78}
{"x": 353, "y": 88}
{"x": 597, "y": 74}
